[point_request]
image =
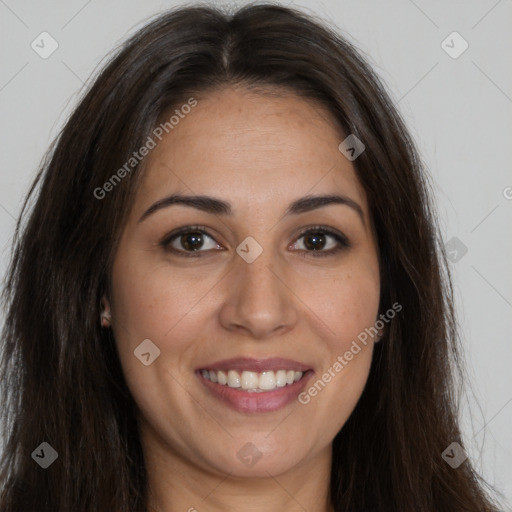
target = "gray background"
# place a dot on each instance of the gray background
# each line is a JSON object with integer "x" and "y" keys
{"x": 458, "y": 110}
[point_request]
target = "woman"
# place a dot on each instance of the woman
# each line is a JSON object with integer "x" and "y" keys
{"x": 229, "y": 292}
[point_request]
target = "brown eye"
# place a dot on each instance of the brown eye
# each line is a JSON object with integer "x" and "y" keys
{"x": 192, "y": 241}
{"x": 315, "y": 241}
{"x": 320, "y": 241}
{"x": 189, "y": 240}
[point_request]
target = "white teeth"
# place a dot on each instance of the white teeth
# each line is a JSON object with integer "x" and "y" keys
{"x": 233, "y": 379}
{"x": 267, "y": 380}
{"x": 253, "y": 381}
{"x": 281, "y": 378}
{"x": 249, "y": 380}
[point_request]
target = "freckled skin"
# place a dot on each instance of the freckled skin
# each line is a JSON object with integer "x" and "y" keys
{"x": 259, "y": 153}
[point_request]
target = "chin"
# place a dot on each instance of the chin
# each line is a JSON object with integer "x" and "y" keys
{"x": 250, "y": 462}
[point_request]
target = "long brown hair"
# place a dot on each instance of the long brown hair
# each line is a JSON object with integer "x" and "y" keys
{"x": 61, "y": 376}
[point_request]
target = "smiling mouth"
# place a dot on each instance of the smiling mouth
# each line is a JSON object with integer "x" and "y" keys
{"x": 253, "y": 382}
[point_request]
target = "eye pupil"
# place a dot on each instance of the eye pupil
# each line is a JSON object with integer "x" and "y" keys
{"x": 192, "y": 241}
{"x": 318, "y": 241}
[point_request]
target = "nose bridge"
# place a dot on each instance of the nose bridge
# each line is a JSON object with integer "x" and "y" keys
{"x": 258, "y": 299}
{"x": 258, "y": 273}
{"x": 256, "y": 268}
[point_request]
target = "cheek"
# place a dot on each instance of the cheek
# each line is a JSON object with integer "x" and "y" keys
{"x": 348, "y": 303}
{"x": 148, "y": 305}
{"x": 348, "y": 310}
{"x": 352, "y": 313}
{"x": 150, "y": 298}
{"x": 152, "y": 302}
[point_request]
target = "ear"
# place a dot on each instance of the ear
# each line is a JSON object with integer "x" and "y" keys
{"x": 105, "y": 316}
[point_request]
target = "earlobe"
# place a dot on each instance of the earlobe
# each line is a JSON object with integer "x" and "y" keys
{"x": 105, "y": 316}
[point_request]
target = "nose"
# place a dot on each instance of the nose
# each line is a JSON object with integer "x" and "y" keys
{"x": 259, "y": 302}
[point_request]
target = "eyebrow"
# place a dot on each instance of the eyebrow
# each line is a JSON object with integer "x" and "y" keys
{"x": 217, "y": 206}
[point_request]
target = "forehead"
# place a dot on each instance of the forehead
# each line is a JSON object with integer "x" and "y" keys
{"x": 252, "y": 149}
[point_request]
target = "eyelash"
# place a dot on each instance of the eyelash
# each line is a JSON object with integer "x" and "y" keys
{"x": 342, "y": 241}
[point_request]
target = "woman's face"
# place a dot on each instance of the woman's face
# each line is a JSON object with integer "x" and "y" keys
{"x": 254, "y": 290}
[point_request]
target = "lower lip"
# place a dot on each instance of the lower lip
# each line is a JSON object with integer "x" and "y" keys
{"x": 266, "y": 401}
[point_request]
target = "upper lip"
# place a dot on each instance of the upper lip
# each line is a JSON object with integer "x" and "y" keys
{"x": 257, "y": 365}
